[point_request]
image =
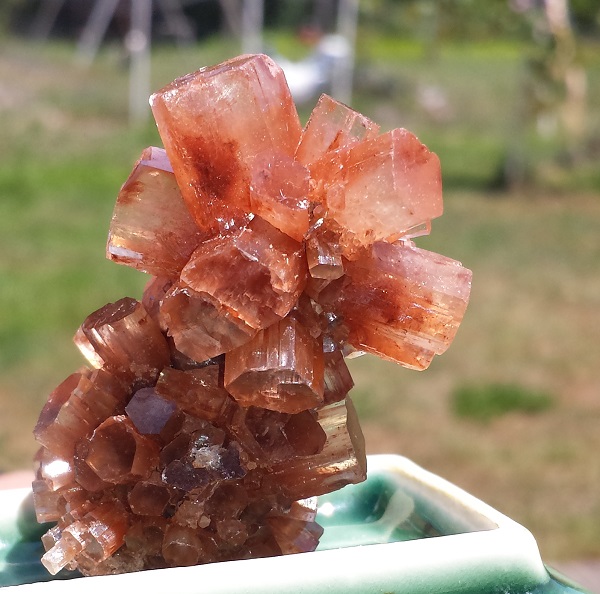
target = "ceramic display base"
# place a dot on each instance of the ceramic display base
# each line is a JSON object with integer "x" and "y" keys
{"x": 403, "y": 530}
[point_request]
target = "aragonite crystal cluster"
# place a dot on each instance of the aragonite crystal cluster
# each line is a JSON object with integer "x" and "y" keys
{"x": 216, "y": 409}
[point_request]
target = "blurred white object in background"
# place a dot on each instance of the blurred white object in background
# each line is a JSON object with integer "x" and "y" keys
{"x": 316, "y": 74}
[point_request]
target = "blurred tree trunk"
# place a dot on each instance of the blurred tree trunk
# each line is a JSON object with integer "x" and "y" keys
{"x": 324, "y": 14}
{"x": 252, "y": 26}
{"x": 551, "y": 127}
{"x": 568, "y": 72}
{"x": 232, "y": 13}
{"x": 45, "y": 18}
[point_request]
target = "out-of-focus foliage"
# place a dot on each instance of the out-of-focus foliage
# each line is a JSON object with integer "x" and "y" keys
{"x": 445, "y": 19}
{"x": 467, "y": 19}
{"x": 7, "y": 10}
{"x": 427, "y": 19}
{"x": 289, "y": 14}
{"x": 586, "y": 15}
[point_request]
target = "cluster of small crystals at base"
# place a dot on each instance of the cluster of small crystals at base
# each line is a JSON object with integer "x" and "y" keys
{"x": 216, "y": 409}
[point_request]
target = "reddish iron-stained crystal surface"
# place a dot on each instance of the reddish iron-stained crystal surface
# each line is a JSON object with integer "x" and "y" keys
{"x": 198, "y": 392}
{"x": 401, "y": 302}
{"x": 279, "y": 189}
{"x": 214, "y": 123}
{"x": 201, "y": 328}
{"x": 151, "y": 228}
{"x": 379, "y": 189}
{"x": 269, "y": 265}
{"x": 122, "y": 339}
{"x": 281, "y": 369}
{"x": 331, "y": 126}
{"x": 323, "y": 253}
{"x": 217, "y": 406}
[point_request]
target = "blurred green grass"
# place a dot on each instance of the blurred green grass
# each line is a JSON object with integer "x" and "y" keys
{"x": 66, "y": 148}
{"x": 488, "y": 401}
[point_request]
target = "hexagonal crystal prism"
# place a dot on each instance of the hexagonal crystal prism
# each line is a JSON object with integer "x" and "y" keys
{"x": 119, "y": 453}
{"x": 269, "y": 269}
{"x": 213, "y": 122}
{"x": 151, "y": 228}
{"x": 280, "y": 369}
{"x": 122, "y": 338}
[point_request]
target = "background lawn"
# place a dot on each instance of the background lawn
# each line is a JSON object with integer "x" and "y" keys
{"x": 531, "y": 328}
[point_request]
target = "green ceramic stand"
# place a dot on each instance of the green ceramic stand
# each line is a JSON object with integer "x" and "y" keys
{"x": 404, "y": 530}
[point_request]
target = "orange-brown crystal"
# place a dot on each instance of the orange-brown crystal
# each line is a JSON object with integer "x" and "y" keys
{"x": 379, "y": 189}
{"x": 201, "y": 328}
{"x": 151, "y": 228}
{"x": 216, "y": 408}
{"x": 281, "y": 369}
{"x": 118, "y": 453}
{"x": 402, "y": 303}
{"x": 122, "y": 339}
{"x": 279, "y": 189}
{"x": 332, "y": 126}
{"x": 268, "y": 266}
{"x": 214, "y": 122}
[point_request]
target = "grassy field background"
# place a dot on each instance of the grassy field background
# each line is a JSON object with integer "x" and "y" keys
{"x": 532, "y": 326}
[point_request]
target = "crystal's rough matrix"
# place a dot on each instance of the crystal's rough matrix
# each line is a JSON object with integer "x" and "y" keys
{"x": 216, "y": 408}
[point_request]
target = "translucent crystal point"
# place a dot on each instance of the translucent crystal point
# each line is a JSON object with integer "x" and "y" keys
{"x": 295, "y": 529}
{"x": 341, "y": 461}
{"x": 106, "y": 525}
{"x": 403, "y": 303}
{"x": 380, "y": 188}
{"x": 200, "y": 326}
{"x": 74, "y": 409}
{"x": 279, "y": 188}
{"x": 56, "y": 472}
{"x": 269, "y": 269}
{"x": 197, "y": 391}
{"x": 261, "y": 432}
{"x": 281, "y": 369}
{"x": 118, "y": 452}
{"x": 213, "y": 122}
{"x": 332, "y": 126}
{"x": 324, "y": 253}
{"x": 338, "y": 381}
{"x": 151, "y": 228}
{"x": 295, "y": 536}
{"x": 71, "y": 542}
{"x": 270, "y": 436}
{"x": 122, "y": 339}
{"x": 46, "y": 501}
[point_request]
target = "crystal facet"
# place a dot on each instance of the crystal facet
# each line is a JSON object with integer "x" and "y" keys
{"x": 217, "y": 408}
{"x": 151, "y": 228}
{"x": 214, "y": 122}
{"x": 122, "y": 339}
{"x": 281, "y": 369}
{"x": 279, "y": 189}
{"x": 401, "y": 302}
{"x": 332, "y": 126}
{"x": 269, "y": 268}
{"x": 380, "y": 189}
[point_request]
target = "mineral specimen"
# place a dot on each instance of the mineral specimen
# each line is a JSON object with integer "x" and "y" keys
{"x": 216, "y": 408}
